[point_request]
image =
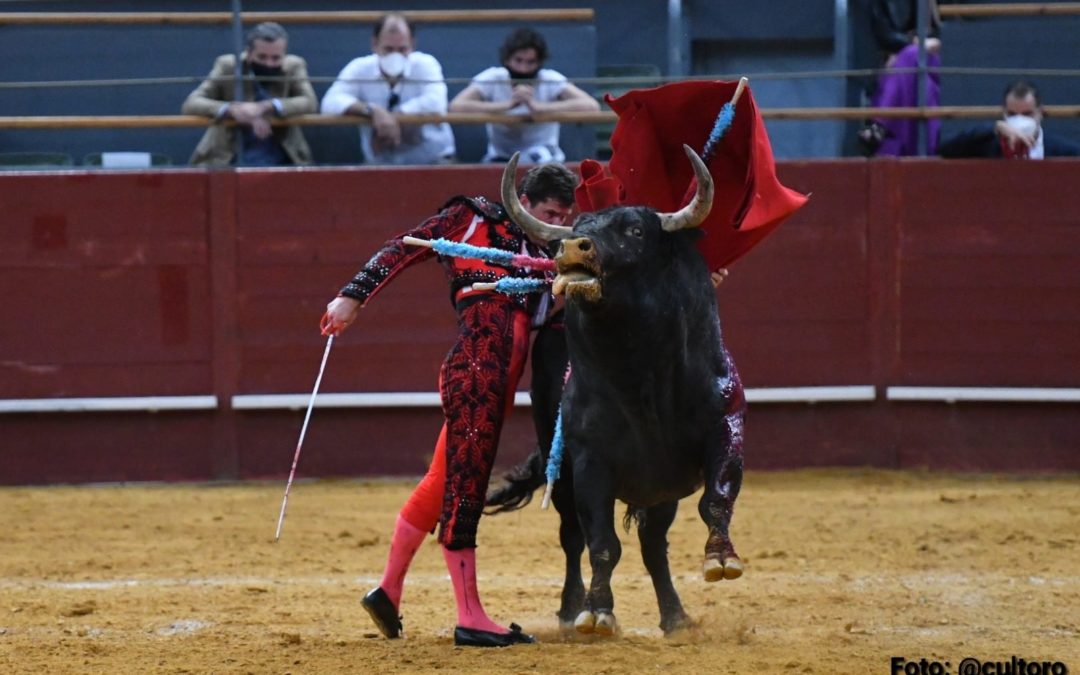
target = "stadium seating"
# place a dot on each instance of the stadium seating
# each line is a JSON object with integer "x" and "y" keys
{"x": 34, "y": 160}
{"x": 624, "y": 78}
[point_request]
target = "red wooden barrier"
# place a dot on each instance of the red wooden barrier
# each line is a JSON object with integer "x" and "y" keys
{"x": 192, "y": 283}
{"x": 105, "y": 285}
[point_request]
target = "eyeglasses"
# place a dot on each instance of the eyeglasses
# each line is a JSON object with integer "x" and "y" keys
{"x": 395, "y": 99}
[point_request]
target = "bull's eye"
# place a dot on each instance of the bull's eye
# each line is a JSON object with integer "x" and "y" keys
{"x": 637, "y": 232}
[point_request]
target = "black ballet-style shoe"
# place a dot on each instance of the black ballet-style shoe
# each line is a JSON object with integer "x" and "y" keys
{"x": 382, "y": 612}
{"x": 473, "y": 637}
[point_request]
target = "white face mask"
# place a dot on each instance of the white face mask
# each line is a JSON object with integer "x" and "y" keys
{"x": 392, "y": 64}
{"x": 1023, "y": 124}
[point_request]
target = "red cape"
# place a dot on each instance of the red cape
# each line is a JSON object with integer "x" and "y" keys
{"x": 650, "y": 167}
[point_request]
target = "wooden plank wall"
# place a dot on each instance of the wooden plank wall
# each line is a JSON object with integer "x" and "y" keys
{"x": 186, "y": 282}
{"x": 105, "y": 285}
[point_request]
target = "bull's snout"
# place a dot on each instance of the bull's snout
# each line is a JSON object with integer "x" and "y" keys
{"x": 578, "y": 270}
{"x": 578, "y": 251}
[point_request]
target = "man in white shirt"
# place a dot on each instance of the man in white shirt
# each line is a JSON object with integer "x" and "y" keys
{"x": 393, "y": 80}
{"x": 523, "y": 86}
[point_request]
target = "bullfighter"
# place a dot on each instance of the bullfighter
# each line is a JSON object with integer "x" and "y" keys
{"x": 477, "y": 382}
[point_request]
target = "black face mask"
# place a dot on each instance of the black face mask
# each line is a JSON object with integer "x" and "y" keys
{"x": 518, "y": 75}
{"x": 260, "y": 71}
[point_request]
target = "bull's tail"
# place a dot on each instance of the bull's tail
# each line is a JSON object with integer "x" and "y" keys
{"x": 519, "y": 484}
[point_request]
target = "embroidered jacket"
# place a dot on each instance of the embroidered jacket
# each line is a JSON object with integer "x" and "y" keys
{"x": 474, "y": 221}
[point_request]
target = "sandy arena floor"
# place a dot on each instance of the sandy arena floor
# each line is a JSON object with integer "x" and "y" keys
{"x": 845, "y": 570}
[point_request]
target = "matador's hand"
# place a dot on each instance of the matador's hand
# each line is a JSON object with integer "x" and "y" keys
{"x": 340, "y": 313}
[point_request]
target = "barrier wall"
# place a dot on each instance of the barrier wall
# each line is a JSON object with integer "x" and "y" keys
{"x": 204, "y": 286}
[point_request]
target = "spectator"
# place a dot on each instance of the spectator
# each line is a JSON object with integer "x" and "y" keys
{"x": 521, "y": 85}
{"x": 895, "y": 28}
{"x": 275, "y": 85}
{"x": 393, "y": 80}
{"x": 477, "y": 383}
{"x": 1018, "y": 134}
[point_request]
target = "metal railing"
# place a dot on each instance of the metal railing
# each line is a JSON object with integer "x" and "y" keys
{"x": 182, "y": 18}
{"x": 823, "y": 113}
{"x": 1009, "y": 9}
{"x": 74, "y": 122}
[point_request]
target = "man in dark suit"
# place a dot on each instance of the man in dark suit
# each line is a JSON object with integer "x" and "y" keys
{"x": 1017, "y": 135}
{"x": 275, "y": 85}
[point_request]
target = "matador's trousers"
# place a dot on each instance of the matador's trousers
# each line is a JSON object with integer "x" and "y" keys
{"x": 477, "y": 382}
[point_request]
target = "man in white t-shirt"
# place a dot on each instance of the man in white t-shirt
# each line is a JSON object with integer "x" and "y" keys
{"x": 521, "y": 85}
{"x": 394, "y": 79}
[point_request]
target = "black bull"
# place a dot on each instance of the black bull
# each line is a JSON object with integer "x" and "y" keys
{"x": 653, "y": 408}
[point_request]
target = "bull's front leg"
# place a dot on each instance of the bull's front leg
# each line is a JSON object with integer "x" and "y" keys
{"x": 723, "y": 478}
{"x": 594, "y": 493}
{"x": 652, "y": 533}
{"x": 573, "y": 544}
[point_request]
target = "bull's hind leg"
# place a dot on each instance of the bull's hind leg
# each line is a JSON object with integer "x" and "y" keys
{"x": 723, "y": 478}
{"x": 715, "y": 507}
{"x": 595, "y": 499}
{"x": 652, "y": 533}
{"x": 573, "y": 544}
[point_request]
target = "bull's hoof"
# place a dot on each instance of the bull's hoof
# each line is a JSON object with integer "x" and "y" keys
{"x": 678, "y": 624}
{"x": 585, "y": 622}
{"x": 599, "y": 623}
{"x": 605, "y": 624}
{"x": 567, "y": 623}
{"x": 715, "y": 570}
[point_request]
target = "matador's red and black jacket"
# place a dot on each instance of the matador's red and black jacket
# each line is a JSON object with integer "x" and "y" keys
{"x": 474, "y": 221}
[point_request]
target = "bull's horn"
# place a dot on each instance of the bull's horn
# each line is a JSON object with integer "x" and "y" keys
{"x": 694, "y": 213}
{"x": 525, "y": 220}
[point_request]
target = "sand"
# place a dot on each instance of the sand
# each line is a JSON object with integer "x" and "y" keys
{"x": 845, "y": 570}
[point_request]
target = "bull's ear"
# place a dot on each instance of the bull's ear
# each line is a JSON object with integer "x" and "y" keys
{"x": 673, "y": 242}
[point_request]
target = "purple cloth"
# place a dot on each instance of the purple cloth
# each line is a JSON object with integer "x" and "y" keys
{"x": 900, "y": 90}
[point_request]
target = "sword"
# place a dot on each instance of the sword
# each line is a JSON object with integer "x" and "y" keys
{"x": 303, "y": 430}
